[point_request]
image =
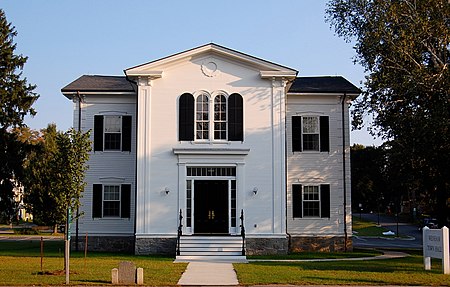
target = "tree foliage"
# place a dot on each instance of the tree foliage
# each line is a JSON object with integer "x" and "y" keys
{"x": 55, "y": 172}
{"x": 16, "y": 100}
{"x": 404, "y": 46}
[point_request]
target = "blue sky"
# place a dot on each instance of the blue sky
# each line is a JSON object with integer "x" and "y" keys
{"x": 67, "y": 39}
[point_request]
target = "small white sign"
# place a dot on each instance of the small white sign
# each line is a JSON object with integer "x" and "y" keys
{"x": 436, "y": 245}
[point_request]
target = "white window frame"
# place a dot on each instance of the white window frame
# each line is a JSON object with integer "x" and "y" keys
{"x": 317, "y": 132}
{"x": 118, "y": 186}
{"x": 304, "y": 200}
{"x": 105, "y": 117}
{"x": 211, "y": 116}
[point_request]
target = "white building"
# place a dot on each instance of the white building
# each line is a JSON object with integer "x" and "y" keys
{"x": 212, "y": 133}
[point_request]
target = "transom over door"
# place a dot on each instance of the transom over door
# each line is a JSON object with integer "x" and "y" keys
{"x": 211, "y": 207}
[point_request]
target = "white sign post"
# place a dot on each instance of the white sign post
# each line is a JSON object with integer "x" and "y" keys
{"x": 436, "y": 245}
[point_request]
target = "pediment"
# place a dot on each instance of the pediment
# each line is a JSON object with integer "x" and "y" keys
{"x": 155, "y": 69}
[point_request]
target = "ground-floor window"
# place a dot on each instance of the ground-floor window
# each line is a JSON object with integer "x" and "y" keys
{"x": 311, "y": 201}
{"x": 111, "y": 200}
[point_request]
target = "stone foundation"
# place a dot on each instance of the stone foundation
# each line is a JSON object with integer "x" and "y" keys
{"x": 320, "y": 244}
{"x": 146, "y": 246}
{"x": 105, "y": 243}
{"x": 266, "y": 246}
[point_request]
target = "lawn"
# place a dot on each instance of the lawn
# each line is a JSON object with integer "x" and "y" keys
{"x": 20, "y": 264}
{"x": 404, "y": 271}
{"x": 367, "y": 228}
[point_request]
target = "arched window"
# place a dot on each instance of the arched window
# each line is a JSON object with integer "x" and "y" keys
{"x": 202, "y": 117}
{"x": 220, "y": 117}
{"x": 235, "y": 118}
{"x": 186, "y": 118}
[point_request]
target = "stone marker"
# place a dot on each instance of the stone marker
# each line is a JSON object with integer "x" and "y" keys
{"x": 127, "y": 272}
{"x": 115, "y": 276}
{"x": 140, "y": 276}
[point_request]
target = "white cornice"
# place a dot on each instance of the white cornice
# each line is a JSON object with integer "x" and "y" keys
{"x": 278, "y": 74}
{"x": 211, "y": 151}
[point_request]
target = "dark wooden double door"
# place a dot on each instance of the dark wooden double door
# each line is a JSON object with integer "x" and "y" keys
{"x": 211, "y": 207}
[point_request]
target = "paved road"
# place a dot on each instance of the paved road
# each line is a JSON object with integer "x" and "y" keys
{"x": 414, "y": 239}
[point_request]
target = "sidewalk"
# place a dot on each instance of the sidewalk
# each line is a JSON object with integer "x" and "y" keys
{"x": 209, "y": 273}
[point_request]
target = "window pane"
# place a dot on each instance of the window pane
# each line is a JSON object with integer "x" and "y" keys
{"x": 112, "y": 141}
{"x": 113, "y": 124}
{"x": 111, "y": 208}
{"x": 111, "y": 192}
{"x": 310, "y": 125}
{"x": 310, "y": 142}
{"x": 311, "y": 209}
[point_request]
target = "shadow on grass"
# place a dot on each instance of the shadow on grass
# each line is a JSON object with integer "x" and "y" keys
{"x": 378, "y": 266}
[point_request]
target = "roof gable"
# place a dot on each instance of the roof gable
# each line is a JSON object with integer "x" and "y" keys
{"x": 154, "y": 69}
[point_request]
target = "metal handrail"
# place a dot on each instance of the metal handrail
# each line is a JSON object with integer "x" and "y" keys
{"x": 242, "y": 232}
{"x": 180, "y": 232}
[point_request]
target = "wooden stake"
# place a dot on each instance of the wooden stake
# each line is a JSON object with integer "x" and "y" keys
{"x": 42, "y": 253}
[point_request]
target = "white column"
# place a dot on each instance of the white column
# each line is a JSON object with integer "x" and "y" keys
{"x": 143, "y": 136}
{"x": 278, "y": 155}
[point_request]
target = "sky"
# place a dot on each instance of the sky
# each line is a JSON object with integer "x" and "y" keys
{"x": 66, "y": 39}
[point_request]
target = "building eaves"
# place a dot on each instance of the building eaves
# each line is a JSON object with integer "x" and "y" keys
{"x": 96, "y": 83}
{"x": 324, "y": 84}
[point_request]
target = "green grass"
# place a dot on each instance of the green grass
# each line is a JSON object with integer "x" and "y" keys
{"x": 22, "y": 258}
{"x": 358, "y": 253}
{"x": 404, "y": 271}
{"x": 20, "y": 264}
{"x": 367, "y": 228}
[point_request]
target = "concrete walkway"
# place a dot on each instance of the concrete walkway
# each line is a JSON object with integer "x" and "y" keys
{"x": 209, "y": 273}
{"x": 222, "y": 274}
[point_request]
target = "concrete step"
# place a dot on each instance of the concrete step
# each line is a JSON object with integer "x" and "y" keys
{"x": 224, "y": 258}
{"x": 210, "y": 248}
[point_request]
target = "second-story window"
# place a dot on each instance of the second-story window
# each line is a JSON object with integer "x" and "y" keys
{"x": 220, "y": 118}
{"x": 112, "y": 133}
{"x": 202, "y": 118}
{"x": 210, "y": 118}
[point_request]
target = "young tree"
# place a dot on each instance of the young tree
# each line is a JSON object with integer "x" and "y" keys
{"x": 16, "y": 100}
{"x": 404, "y": 46}
{"x": 55, "y": 173}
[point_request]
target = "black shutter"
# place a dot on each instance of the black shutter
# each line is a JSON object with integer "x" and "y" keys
{"x": 97, "y": 201}
{"x": 186, "y": 118}
{"x": 325, "y": 200}
{"x": 324, "y": 133}
{"x": 98, "y": 133}
{"x": 235, "y": 118}
{"x": 125, "y": 201}
{"x": 296, "y": 133}
{"x": 126, "y": 133}
{"x": 297, "y": 201}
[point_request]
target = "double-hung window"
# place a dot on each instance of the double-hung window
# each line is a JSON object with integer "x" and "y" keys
{"x": 111, "y": 201}
{"x": 210, "y": 118}
{"x": 112, "y": 133}
{"x": 311, "y": 201}
{"x": 310, "y": 133}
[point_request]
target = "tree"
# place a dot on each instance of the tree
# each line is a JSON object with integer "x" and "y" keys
{"x": 16, "y": 100}
{"x": 404, "y": 46}
{"x": 368, "y": 177}
{"x": 55, "y": 172}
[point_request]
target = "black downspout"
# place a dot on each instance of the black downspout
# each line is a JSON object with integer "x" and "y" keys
{"x": 78, "y": 209}
{"x": 344, "y": 173}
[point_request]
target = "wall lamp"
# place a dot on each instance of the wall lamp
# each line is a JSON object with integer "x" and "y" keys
{"x": 166, "y": 190}
{"x": 255, "y": 190}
